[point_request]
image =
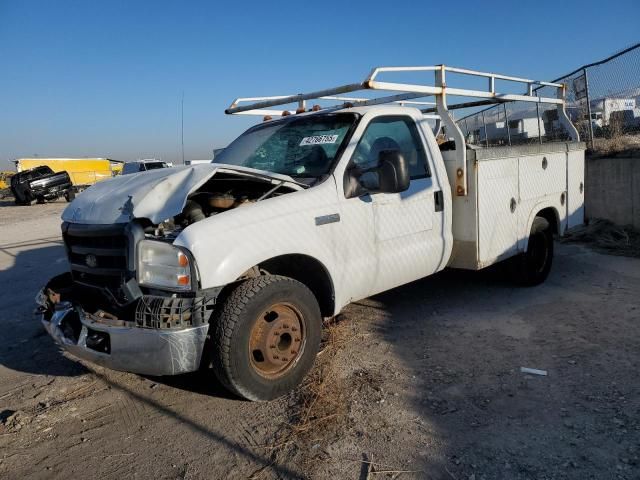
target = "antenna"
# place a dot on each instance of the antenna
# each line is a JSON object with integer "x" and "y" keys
{"x": 182, "y": 126}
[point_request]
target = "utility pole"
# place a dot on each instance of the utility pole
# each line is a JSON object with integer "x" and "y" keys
{"x": 182, "y": 126}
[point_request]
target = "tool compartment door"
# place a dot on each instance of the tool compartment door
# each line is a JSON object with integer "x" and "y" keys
{"x": 542, "y": 183}
{"x": 497, "y": 219}
{"x": 575, "y": 188}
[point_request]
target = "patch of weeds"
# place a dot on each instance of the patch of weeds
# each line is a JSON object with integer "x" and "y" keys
{"x": 319, "y": 407}
{"x": 606, "y": 237}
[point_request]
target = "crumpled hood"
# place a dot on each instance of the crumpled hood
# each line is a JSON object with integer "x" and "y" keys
{"x": 157, "y": 194}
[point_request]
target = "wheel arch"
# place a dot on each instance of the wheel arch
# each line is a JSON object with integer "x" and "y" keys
{"x": 550, "y": 214}
{"x": 306, "y": 269}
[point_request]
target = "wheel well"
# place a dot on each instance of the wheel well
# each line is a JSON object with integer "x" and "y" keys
{"x": 306, "y": 270}
{"x": 550, "y": 215}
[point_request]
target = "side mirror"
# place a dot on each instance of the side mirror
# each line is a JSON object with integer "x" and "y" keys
{"x": 393, "y": 172}
{"x": 390, "y": 175}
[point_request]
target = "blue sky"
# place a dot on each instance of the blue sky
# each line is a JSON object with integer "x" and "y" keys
{"x": 85, "y": 78}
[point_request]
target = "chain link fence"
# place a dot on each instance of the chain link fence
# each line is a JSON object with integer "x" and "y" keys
{"x": 603, "y": 102}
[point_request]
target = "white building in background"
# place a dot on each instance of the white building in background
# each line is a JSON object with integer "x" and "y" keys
{"x": 521, "y": 125}
{"x": 216, "y": 152}
{"x": 605, "y": 110}
{"x": 622, "y": 107}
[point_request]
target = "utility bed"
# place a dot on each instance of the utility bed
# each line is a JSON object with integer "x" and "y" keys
{"x": 505, "y": 184}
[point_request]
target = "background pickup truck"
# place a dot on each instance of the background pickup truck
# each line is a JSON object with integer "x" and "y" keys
{"x": 41, "y": 184}
{"x": 233, "y": 265}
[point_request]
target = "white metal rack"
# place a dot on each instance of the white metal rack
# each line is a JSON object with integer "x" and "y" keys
{"x": 407, "y": 93}
{"x": 355, "y": 101}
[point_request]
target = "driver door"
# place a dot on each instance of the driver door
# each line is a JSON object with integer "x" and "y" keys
{"x": 407, "y": 226}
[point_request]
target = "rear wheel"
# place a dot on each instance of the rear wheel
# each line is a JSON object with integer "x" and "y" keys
{"x": 533, "y": 266}
{"x": 266, "y": 337}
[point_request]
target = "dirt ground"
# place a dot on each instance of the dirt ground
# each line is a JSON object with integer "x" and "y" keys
{"x": 428, "y": 376}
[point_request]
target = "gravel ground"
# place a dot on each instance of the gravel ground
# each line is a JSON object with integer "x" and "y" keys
{"x": 430, "y": 375}
{"x": 11, "y": 214}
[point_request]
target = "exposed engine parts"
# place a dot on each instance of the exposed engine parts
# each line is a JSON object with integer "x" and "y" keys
{"x": 219, "y": 194}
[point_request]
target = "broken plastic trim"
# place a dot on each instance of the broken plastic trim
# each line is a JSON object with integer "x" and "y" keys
{"x": 153, "y": 311}
{"x": 105, "y": 339}
{"x": 147, "y": 311}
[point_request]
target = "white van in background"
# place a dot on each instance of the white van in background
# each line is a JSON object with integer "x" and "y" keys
{"x": 143, "y": 165}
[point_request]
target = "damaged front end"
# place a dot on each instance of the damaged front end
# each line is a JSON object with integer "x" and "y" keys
{"x": 132, "y": 299}
{"x": 165, "y": 335}
{"x": 99, "y": 312}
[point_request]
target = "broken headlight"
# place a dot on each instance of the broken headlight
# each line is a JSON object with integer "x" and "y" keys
{"x": 162, "y": 265}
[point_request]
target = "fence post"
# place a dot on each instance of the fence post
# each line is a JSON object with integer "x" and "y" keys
{"x": 539, "y": 126}
{"x": 586, "y": 90}
{"x": 484, "y": 124}
{"x": 506, "y": 122}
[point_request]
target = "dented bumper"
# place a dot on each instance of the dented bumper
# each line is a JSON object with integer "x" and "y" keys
{"x": 119, "y": 344}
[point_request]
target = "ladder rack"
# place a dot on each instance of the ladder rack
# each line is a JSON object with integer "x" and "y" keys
{"x": 407, "y": 93}
{"x": 409, "y": 90}
{"x": 355, "y": 101}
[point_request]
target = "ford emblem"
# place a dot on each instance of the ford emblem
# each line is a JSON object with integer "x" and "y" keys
{"x": 91, "y": 261}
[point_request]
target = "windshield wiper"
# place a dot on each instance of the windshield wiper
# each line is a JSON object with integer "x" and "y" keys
{"x": 264, "y": 174}
{"x": 270, "y": 191}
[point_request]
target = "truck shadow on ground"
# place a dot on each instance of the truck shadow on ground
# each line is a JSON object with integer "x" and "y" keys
{"x": 458, "y": 340}
{"x": 259, "y": 460}
{"x": 435, "y": 360}
{"x": 202, "y": 382}
{"x": 25, "y": 346}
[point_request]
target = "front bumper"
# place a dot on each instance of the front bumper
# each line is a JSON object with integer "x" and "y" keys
{"x": 133, "y": 349}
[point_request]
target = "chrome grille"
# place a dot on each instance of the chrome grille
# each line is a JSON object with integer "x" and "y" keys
{"x": 97, "y": 254}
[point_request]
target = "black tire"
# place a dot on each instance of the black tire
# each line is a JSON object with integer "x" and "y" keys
{"x": 532, "y": 267}
{"x": 22, "y": 198}
{"x": 69, "y": 195}
{"x": 232, "y": 333}
{"x": 40, "y": 200}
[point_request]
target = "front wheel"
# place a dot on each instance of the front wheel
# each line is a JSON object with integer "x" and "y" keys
{"x": 533, "y": 266}
{"x": 265, "y": 337}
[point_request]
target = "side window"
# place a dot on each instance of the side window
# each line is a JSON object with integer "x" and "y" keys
{"x": 392, "y": 133}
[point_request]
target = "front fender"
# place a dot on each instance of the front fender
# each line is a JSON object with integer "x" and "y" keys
{"x": 228, "y": 244}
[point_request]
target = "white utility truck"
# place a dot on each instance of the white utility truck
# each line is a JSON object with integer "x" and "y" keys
{"x": 233, "y": 265}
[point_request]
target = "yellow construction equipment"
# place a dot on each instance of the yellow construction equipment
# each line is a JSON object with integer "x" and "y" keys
{"x": 83, "y": 171}
{"x": 5, "y": 179}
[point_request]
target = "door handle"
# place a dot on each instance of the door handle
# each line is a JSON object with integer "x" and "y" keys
{"x": 438, "y": 201}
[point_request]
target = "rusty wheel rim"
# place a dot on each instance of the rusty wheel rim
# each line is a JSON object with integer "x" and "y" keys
{"x": 276, "y": 340}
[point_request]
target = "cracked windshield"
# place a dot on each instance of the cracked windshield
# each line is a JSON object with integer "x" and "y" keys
{"x": 302, "y": 147}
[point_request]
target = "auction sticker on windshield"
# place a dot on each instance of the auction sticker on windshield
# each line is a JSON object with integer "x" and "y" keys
{"x": 319, "y": 140}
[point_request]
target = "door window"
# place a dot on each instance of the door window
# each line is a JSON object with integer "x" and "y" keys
{"x": 392, "y": 133}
